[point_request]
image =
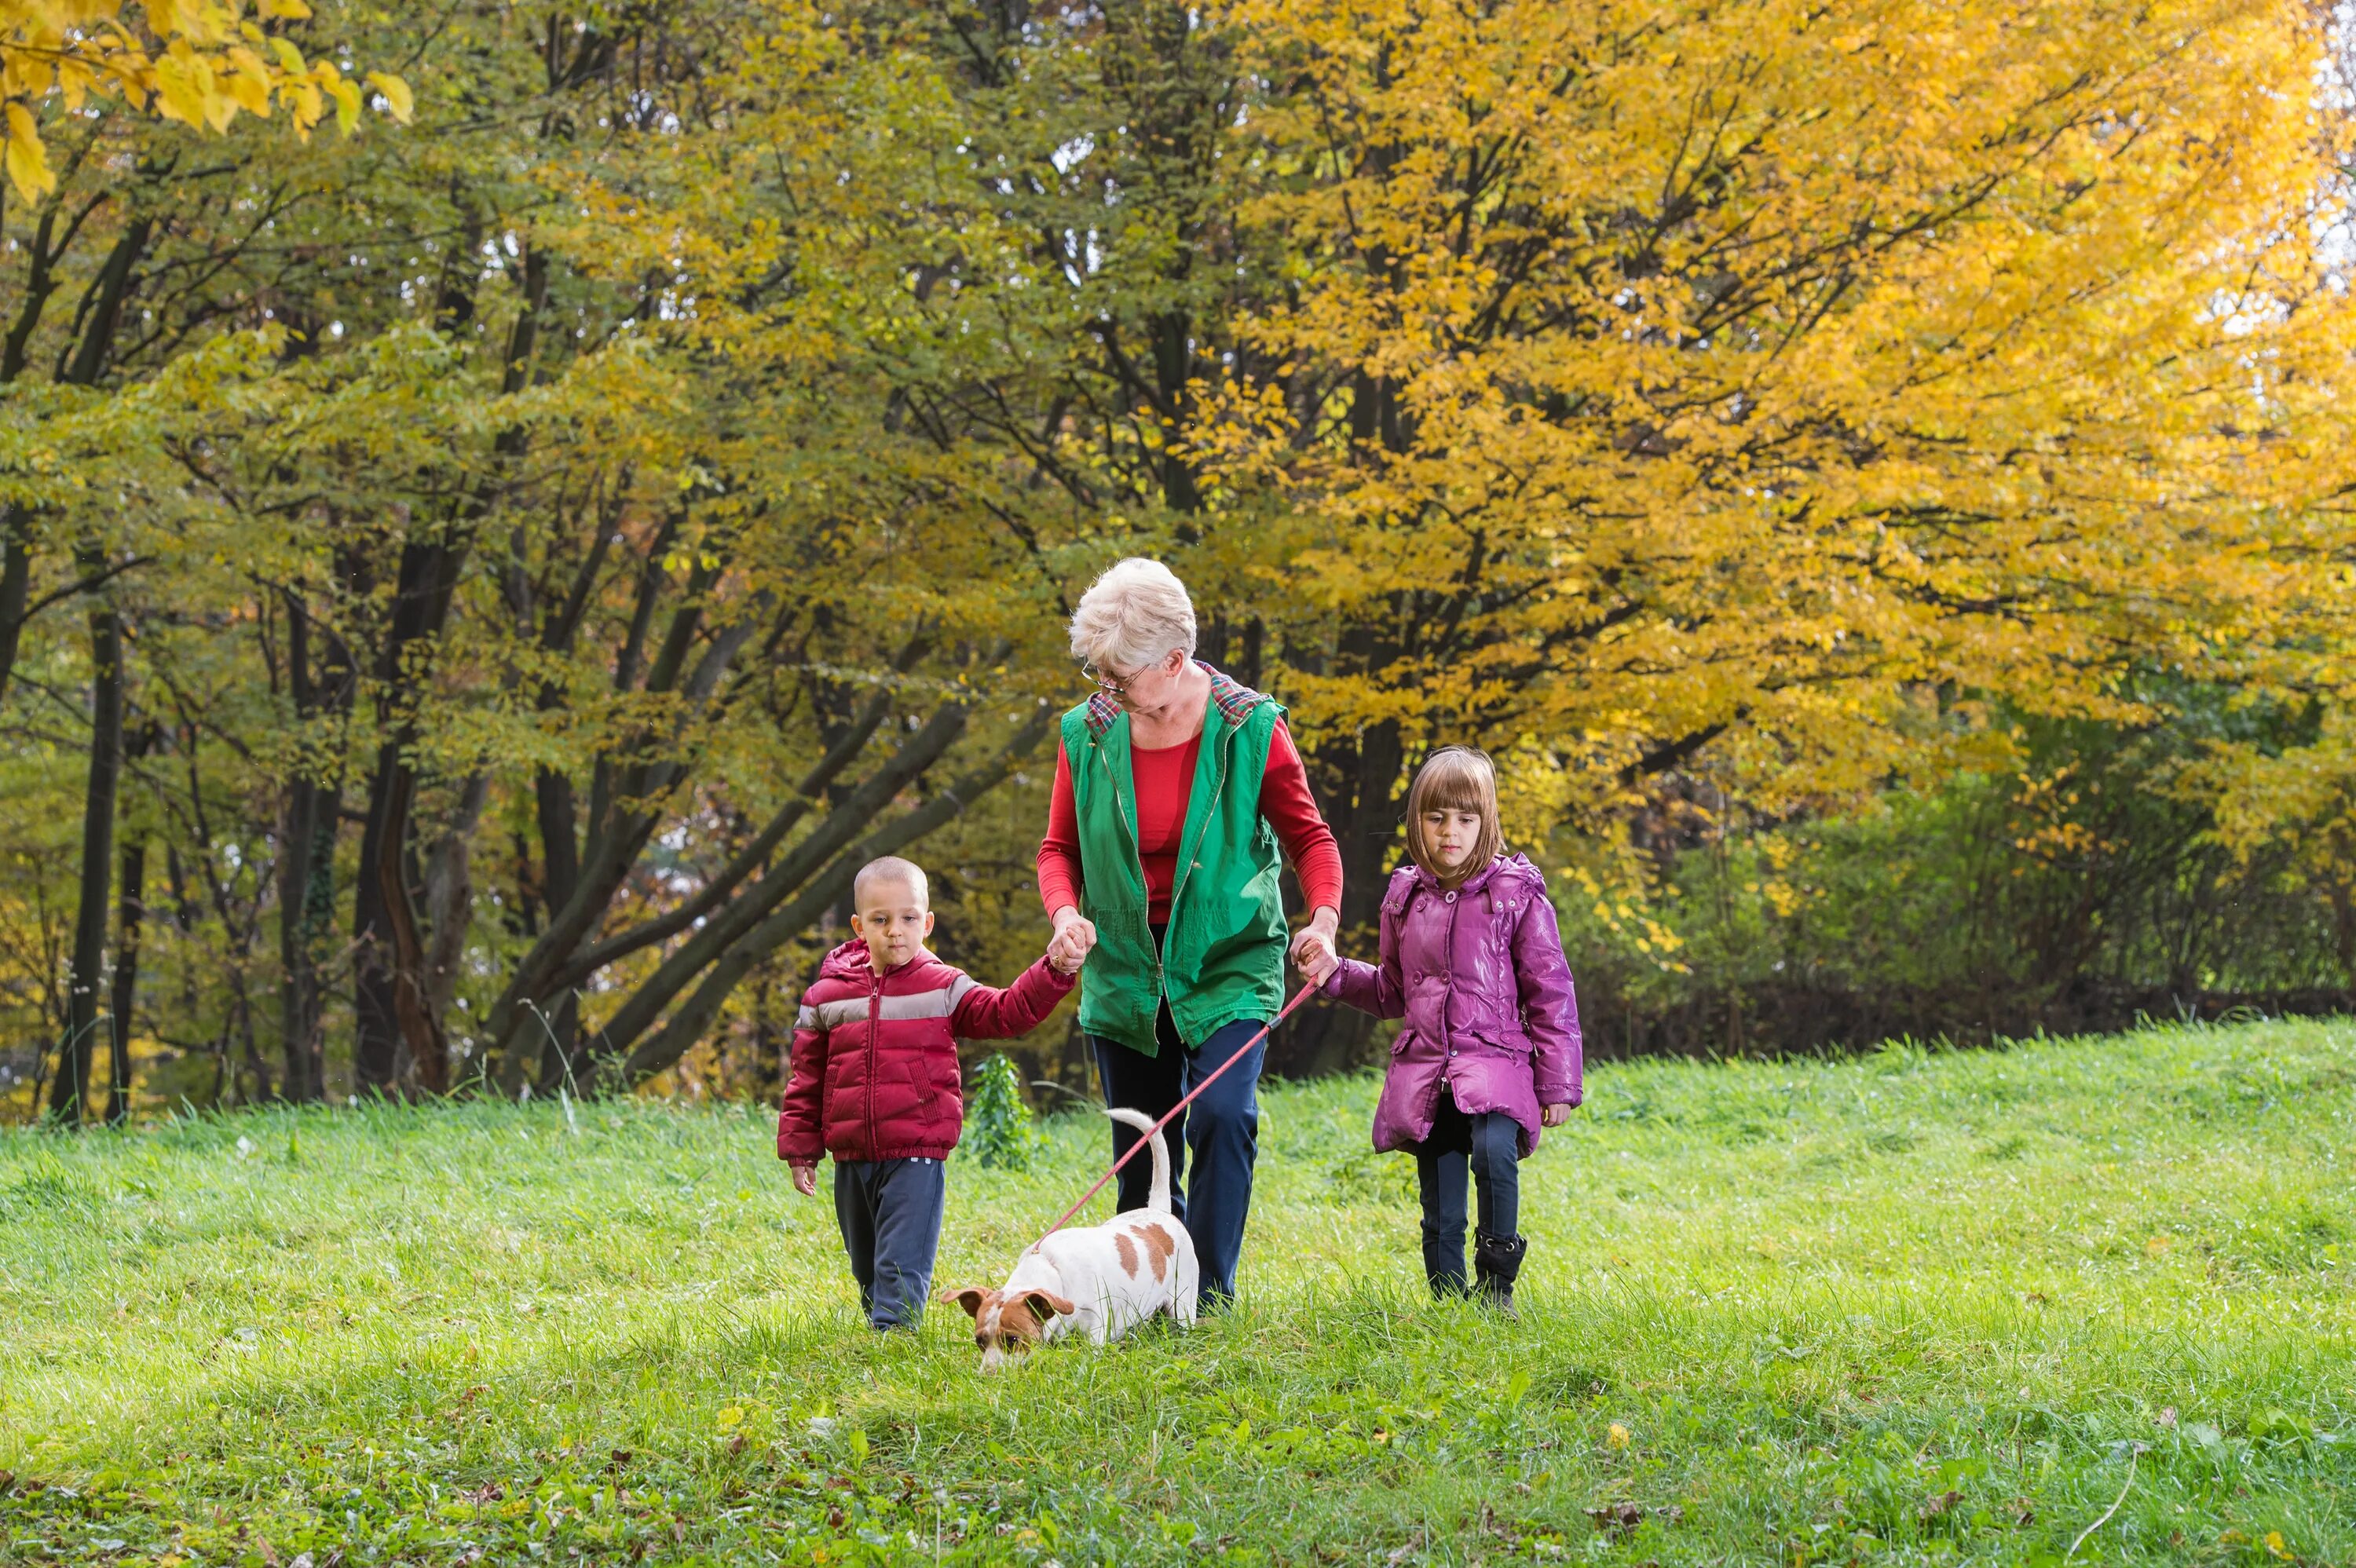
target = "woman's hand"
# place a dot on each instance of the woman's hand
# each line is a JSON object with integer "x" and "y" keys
{"x": 1553, "y": 1115}
{"x": 1075, "y": 935}
{"x": 1312, "y": 950}
{"x": 805, "y": 1177}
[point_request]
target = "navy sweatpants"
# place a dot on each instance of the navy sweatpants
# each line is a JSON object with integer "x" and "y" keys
{"x": 890, "y": 1211}
{"x": 1220, "y": 1131}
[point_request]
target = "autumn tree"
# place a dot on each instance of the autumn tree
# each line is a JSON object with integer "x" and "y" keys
{"x": 478, "y": 590}
{"x": 1774, "y": 380}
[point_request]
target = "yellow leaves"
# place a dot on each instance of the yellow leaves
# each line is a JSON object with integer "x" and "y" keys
{"x": 396, "y": 94}
{"x": 212, "y": 65}
{"x": 27, "y": 164}
{"x": 1590, "y": 347}
{"x": 184, "y": 87}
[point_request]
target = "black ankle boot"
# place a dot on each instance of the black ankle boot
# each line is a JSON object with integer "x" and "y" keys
{"x": 1496, "y": 1261}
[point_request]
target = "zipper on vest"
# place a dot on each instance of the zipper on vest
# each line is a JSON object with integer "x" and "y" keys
{"x": 1144, "y": 891}
{"x": 1218, "y": 788}
{"x": 874, "y": 1026}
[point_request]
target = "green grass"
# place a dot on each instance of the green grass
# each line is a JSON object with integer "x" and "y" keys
{"x": 1912, "y": 1308}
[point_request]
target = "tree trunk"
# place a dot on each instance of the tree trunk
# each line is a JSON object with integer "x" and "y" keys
{"x": 319, "y": 680}
{"x": 86, "y": 971}
{"x": 395, "y": 1038}
{"x": 396, "y": 1032}
{"x": 16, "y": 585}
{"x": 693, "y": 1016}
{"x": 449, "y": 911}
{"x": 131, "y": 915}
{"x": 719, "y": 940}
{"x": 68, "y": 1092}
{"x": 306, "y": 892}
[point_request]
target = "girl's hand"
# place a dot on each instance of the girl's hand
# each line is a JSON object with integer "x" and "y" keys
{"x": 806, "y": 1175}
{"x": 1553, "y": 1115}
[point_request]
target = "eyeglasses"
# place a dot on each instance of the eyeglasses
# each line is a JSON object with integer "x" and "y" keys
{"x": 1106, "y": 683}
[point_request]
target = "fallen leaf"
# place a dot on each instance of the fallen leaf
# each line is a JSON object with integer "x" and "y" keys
{"x": 2167, "y": 1416}
{"x": 1619, "y": 1518}
{"x": 1617, "y": 1436}
{"x": 1934, "y": 1508}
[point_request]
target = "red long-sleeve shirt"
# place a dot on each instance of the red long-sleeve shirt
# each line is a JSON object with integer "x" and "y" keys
{"x": 1163, "y": 778}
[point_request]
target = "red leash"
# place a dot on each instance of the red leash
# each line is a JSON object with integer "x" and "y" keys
{"x": 1145, "y": 1140}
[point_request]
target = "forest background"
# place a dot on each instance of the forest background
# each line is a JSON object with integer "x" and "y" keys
{"x": 506, "y": 506}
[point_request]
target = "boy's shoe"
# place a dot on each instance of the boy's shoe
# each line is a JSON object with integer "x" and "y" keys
{"x": 1496, "y": 1261}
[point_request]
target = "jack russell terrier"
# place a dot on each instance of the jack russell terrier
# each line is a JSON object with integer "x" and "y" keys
{"x": 1101, "y": 1282}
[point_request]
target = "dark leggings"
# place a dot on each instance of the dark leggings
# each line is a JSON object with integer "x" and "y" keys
{"x": 1489, "y": 1148}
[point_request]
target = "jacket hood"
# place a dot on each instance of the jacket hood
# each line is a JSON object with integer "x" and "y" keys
{"x": 1508, "y": 867}
{"x": 848, "y": 962}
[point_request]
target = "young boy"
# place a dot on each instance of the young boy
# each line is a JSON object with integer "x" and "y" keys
{"x": 876, "y": 1082}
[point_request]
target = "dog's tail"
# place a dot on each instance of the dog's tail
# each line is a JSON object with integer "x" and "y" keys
{"x": 1158, "y": 1200}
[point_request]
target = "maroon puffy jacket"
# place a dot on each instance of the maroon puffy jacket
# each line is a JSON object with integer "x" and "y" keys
{"x": 874, "y": 1059}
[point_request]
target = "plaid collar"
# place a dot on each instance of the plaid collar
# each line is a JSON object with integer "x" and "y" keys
{"x": 1233, "y": 701}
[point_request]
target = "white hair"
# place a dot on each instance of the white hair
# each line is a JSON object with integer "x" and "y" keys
{"x": 1134, "y": 615}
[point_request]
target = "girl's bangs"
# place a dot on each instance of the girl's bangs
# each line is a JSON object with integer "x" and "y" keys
{"x": 1454, "y": 784}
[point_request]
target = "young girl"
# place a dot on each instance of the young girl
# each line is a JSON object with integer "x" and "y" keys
{"x": 1471, "y": 959}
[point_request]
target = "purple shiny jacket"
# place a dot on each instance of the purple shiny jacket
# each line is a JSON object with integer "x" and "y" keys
{"x": 1480, "y": 977}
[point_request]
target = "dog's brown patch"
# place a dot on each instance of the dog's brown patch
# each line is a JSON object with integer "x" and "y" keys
{"x": 1128, "y": 1250}
{"x": 1018, "y": 1330}
{"x": 1159, "y": 1246}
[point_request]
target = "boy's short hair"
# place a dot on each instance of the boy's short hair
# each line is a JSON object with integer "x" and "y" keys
{"x": 891, "y": 868}
{"x": 1455, "y": 778}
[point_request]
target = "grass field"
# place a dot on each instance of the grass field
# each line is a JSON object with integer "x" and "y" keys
{"x": 1912, "y": 1308}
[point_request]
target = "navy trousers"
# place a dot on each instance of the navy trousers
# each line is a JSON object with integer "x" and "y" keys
{"x": 890, "y": 1211}
{"x": 1220, "y": 1132}
{"x": 1488, "y": 1148}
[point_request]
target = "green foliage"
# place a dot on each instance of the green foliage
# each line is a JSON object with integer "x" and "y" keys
{"x": 1916, "y": 1307}
{"x": 2070, "y": 880}
{"x": 999, "y": 1131}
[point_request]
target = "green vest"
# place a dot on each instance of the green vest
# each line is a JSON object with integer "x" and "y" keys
{"x": 1225, "y": 954}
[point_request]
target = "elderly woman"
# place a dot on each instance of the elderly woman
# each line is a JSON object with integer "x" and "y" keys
{"x": 1173, "y": 790}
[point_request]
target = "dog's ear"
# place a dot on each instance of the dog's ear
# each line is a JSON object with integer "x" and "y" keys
{"x": 1046, "y": 1304}
{"x": 970, "y": 1298}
